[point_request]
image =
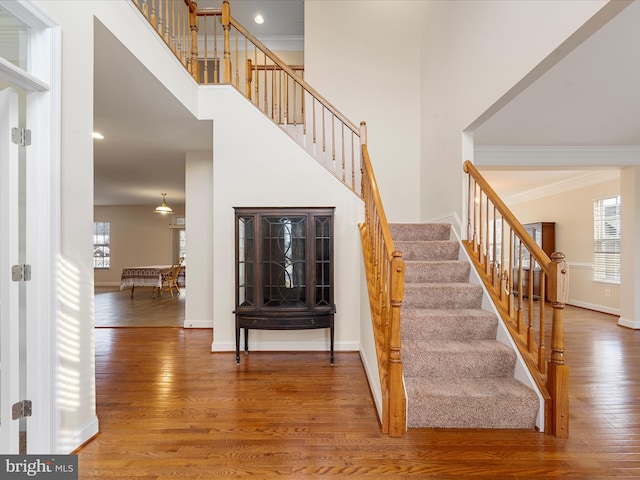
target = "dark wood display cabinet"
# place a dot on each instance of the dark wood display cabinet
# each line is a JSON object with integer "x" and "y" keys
{"x": 284, "y": 270}
{"x": 544, "y": 234}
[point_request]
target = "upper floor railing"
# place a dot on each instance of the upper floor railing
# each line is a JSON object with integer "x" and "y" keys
{"x": 522, "y": 281}
{"x": 216, "y": 49}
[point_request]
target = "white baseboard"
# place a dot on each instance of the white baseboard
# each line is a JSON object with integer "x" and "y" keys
{"x": 257, "y": 346}
{"x": 594, "y": 307}
{"x": 80, "y": 436}
{"x": 374, "y": 381}
{"x": 629, "y": 323}
{"x": 193, "y": 323}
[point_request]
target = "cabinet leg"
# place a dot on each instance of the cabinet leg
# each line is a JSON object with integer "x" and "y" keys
{"x": 237, "y": 345}
{"x": 246, "y": 341}
{"x": 331, "y": 334}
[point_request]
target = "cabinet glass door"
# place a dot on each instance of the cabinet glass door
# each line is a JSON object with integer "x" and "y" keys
{"x": 284, "y": 261}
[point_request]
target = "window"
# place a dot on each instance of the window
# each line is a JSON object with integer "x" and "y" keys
{"x": 101, "y": 244}
{"x": 606, "y": 240}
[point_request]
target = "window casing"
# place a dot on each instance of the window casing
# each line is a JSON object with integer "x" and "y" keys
{"x": 101, "y": 245}
{"x": 606, "y": 239}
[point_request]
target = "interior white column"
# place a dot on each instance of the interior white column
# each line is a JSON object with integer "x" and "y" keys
{"x": 199, "y": 234}
{"x": 630, "y": 271}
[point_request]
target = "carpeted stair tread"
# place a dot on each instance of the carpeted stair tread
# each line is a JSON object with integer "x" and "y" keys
{"x": 459, "y": 324}
{"x": 471, "y": 403}
{"x": 430, "y": 251}
{"x": 442, "y": 295}
{"x": 457, "y": 358}
{"x": 450, "y": 271}
{"x": 420, "y": 231}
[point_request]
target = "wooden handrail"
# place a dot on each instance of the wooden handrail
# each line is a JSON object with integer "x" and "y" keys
{"x": 384, "y": 267}
{"x": 255, "y": 71}
{"x": 500, "y": 260}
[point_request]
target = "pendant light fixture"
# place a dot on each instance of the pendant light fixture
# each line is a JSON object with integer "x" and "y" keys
{"x": 163, "y": 209}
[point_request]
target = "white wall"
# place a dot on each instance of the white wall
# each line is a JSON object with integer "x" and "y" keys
{"x": 257, "y": 164}
{"x": 364, "y": 57}
{"x": 472, "y": 53}
{"x": 572, "y": 211}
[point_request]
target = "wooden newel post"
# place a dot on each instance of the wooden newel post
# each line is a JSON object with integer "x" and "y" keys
{"x": 226, "y": 25}
{"x": 193, "y": 27}
{"x": 558, "y": 372}
{"x": 397, "y": 399}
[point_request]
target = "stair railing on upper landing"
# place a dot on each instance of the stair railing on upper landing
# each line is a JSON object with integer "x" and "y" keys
{"x": 216, "y": 49}
{"x": 522, "y": 280}
{"x": 384, "y": 269}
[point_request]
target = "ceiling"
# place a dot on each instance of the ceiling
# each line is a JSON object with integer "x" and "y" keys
{"x": 590, "y": 98}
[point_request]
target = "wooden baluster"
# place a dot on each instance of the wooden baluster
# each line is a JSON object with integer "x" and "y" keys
{"x": 558, "y": 376}
{"x": 520, "y": 278}
{"x": 194, "y": 64}
{"x": 542, "y": 355}
{"x": 153, "y": 19}
{"x": 343, "y": 160}
{"x": 249, "y": 77}
{"x": 530, "y": 332}
{"x": 237, "y": 62}
{"x": 161, "y": 19}
{"x": 174, "y": 39}
{"x": 470, "y": 208}
{"x": 216, "y": 61}
{"x": 167, "y": 16}
{"x": 226, "y": 25}
{"x": 206, "y": 52}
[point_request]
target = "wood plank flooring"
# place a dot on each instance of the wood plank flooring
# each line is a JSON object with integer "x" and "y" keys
{"x": 170, "y": 409}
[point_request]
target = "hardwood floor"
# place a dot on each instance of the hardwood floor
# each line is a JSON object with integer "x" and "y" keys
{"x": 117, "y": 308}
{"x": 170, "y": 409}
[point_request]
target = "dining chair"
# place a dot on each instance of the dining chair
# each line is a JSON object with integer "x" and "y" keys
{"x": 170, "y": 277}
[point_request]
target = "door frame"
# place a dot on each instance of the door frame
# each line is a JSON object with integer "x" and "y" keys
{"x": 43, "y": 219}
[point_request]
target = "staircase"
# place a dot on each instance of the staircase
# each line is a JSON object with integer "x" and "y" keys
{"x": 457, "y": 374}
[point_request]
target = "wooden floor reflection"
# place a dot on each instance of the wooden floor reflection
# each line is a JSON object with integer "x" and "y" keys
{"x": 169, "y": 409}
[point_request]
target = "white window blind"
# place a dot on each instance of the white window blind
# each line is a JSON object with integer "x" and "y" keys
{"x": 606, "y": 239}
{"x": 101, "y": 244}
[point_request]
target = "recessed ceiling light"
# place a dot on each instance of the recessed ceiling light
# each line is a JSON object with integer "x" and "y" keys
{"x": 97, "y": 135}
{"x": 259, "y": 19}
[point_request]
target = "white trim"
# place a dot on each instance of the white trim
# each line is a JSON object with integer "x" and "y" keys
{"x": 594, "y": 307}
{"x": 20, "y": 78}
{"x": 629, "y": 323}
{"x": 541, "y": 157}
{"x": 574, "y": 183}
{"x": 581, "y": 265}
{"x": 208, "y": 324}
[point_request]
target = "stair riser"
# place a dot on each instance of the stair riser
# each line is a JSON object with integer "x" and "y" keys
{"x": 470, "y": 413}
{"x": 448, "y": 329}
{"x": 422, "y": 232}
{"x": 436, "y": 272}
{"x": 471, "y": 364}
{"x": 429, "y": 251}
{"x": 441, "y": 296}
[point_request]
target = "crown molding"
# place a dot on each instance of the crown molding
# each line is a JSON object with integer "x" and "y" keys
{"x": 539, "y": 157}
{"x": 574, "y": 183}
{"x": 283, "y": 43}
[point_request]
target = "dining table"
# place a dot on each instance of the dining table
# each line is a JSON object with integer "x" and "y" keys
{"x": 147, "y": 276}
